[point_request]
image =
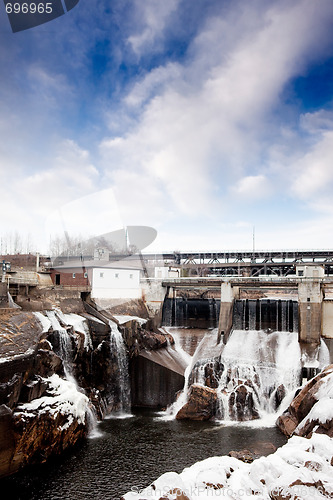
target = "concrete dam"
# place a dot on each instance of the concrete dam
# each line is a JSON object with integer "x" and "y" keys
{"x": 285, "y": 323}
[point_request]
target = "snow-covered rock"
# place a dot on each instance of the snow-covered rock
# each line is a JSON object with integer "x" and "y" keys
{"x": 302, "y": 469}
{"x": 312, "y": 409}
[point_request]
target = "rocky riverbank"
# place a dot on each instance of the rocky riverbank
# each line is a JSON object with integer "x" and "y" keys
{"x": 58, "y": 371}
{"x": 311, "y": 411}
{"x": 301, "y": 469}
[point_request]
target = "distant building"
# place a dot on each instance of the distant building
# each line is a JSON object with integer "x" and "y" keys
{"x": 106, "y": 280}
{"x": 167, "y": 272}
{"x": 310, "y": 270}
{"x": 115, "y": 283}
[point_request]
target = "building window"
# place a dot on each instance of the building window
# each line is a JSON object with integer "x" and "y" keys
{"x": 73, "y": 275}
{"x": 101, "y": 275}
{"x": 300, "y": 273}
{"x": 116, "y": 275}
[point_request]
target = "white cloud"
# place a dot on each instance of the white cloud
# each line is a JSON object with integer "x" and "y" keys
{"x": 313, "y": 173}
{"x": 252, "y": 187}
{"x": 152, "y": 18}
{"x": 317, "y": 122}
{"x": 156, "y": 80}
{"x": 31, "y": 197}
{"x": 194, "y": 136}
{"x": 204, "y": 131}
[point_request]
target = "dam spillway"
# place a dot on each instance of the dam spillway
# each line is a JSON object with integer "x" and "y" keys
{"x": 191, "y": 312}
{"x": 265, "y": 314}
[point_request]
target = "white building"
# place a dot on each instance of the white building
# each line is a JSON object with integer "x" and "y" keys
{"x": 114, "y": 283}
{"x": 310, "y": 270}
{"x": 162, "y": 272}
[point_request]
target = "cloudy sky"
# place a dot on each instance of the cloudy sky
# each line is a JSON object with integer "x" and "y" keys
{"x": 201, "y": 118}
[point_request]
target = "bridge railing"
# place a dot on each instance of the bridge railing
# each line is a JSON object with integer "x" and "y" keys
{"x": 241, "y": 279}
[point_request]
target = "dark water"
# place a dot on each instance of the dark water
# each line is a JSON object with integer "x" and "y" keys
{"x": 132, "y": 453}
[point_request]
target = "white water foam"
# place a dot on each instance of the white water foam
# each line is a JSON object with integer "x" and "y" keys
{"x": 262, "y": 363}
{"x": 267, "y": 365}
{"x": 118, "y": 350}
{"x": 204, "y": 349}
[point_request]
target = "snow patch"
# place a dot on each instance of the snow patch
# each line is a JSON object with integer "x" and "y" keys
{"x": 44, "y": 321}
{"x": 79, "y": 323}
{"x": 292, "y": 470}
{"x": 64, "y": 399}
{"x": 124, "y": 318}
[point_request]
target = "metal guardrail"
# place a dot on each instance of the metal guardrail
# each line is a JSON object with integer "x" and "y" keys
{"x": 241, "y": 279}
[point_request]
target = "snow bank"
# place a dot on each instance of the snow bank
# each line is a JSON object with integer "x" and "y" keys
{"x": 300, "y": 469}
{"x": 44, "y": 321}
{"x": 79, "y": 323}
{"x": 64, "y": 398}
{"x": 124, "y": 318}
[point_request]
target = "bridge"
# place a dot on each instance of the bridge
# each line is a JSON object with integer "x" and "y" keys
{"x": 250, "y": 263}
{"x": 233, "y": 263}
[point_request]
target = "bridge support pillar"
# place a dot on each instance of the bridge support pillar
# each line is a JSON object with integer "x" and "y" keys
{"x": 310, "y": 311}
{"x": 226, "y": 310}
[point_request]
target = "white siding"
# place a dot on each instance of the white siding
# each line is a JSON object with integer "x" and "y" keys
{"x": 115, "y": 283}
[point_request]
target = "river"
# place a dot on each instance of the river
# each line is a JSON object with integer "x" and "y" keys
{"x": 130, "y": 454}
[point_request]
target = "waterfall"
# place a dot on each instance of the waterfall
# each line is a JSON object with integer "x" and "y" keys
{"x": 314, "y": 359}
{"x": 79, "y": 323}
{"x": 204, "y": 350}
{"x": 263, "y": 314}
{"x": 65, "y": 345}
{"x": 11, "y": 302}
{"x": 191, "y": 312}
{"x": 258, "y": 369}
{"x": 260, "y": 373}
{"x": 66, "y": 354}
{"x": 120, "y": 393}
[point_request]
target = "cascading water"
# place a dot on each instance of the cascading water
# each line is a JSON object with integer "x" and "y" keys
{"x": 255, "y": 373}
{"x": 260, "y": 371}
{"x": 204, "y": 350}
{"x": 66, "y": 354}
{"x": 190, "y": 312}
{"x": 65, "y": 345}
{"x": 120, "y": 395}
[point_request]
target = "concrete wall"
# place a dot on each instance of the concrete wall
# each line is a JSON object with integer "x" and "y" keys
{"x": 327, "y": 319}
{"x": 153, "y": 385}
{"x": 153, "y": 293}
{"x": 310, "y": 311}
{"x": 226, "y": 309}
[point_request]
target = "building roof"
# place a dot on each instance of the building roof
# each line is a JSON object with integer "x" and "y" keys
{"x": 96, "y": 264}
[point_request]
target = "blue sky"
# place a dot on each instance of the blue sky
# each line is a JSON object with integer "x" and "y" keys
{"x": 200, "y": 118}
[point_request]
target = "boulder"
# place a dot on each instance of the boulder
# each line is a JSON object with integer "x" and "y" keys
{"x": 42, "y": 435}
{"x": 213, "y": 373}
{"x": 244, "y": 455}
{"x": 302, "y": 417}
{"x": 7, "y": 440}
{"x": 279, "y": 395}
{"x": 201, "y": 404}
{"x": 241, "y": 404}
